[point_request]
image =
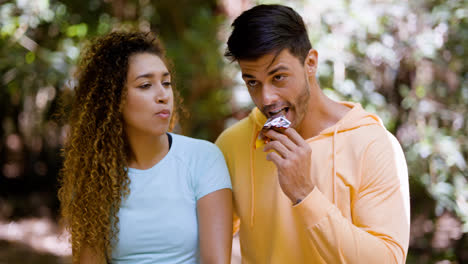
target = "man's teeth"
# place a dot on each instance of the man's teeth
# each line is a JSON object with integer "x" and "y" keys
{"x": 280, "y": 110}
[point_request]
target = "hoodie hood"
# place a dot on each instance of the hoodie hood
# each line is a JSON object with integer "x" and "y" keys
{"x": 355, "y": 118}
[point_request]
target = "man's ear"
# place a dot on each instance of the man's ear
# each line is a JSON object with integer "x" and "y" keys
{"x": 310, "y": 62}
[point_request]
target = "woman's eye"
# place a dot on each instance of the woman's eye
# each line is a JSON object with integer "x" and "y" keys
{"x": 166, "y": 84}
{"x": 145, "y": 86}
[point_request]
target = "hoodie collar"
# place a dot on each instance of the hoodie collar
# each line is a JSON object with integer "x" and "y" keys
{"x": 356, "y": 117}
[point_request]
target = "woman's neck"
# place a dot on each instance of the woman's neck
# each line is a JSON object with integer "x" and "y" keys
{"x": 147, "y": 150}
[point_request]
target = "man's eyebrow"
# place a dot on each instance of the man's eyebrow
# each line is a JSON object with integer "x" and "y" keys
{"x": 151, "y": 75}
{"x": 245, "y": 75}
{"x": 277, "y": 69}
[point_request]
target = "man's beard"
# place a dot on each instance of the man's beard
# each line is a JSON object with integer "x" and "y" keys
{"x": 301, "y": 106}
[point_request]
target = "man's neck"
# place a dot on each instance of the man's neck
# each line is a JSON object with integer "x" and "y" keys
{"x": 322, "y": 113}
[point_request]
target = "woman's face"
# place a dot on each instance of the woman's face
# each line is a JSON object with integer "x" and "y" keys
{"x": 149, "y": 103}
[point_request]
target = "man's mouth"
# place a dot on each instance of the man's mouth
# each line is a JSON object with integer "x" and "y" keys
{"x": 278, "y": 112}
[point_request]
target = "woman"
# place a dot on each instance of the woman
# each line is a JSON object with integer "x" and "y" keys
{"x": 132, "y": 192}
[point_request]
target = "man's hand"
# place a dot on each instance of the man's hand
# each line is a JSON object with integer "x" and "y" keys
{"x": 292, "y": 159}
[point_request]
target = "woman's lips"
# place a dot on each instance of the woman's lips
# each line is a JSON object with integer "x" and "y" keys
{"x": 164, "y": 114}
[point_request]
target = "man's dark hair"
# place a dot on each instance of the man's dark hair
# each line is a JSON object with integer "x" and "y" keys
{"x": 265, "y": 29}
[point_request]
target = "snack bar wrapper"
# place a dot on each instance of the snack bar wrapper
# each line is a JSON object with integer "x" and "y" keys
{"x": 278, "y": 123}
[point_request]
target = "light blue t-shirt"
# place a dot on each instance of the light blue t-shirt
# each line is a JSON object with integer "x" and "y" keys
{"x": 158, "y": 221}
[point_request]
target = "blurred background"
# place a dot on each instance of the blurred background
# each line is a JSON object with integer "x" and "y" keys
{"x": 404, "y": 60}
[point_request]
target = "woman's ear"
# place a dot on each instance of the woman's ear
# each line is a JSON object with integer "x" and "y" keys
{"x": 310, "y": 62}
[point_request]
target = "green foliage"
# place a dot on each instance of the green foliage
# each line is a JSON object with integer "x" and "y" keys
{"x": 404, "y": 60}
{"x": 190, "y": 36}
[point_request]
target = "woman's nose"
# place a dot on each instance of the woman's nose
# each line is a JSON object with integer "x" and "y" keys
{"x": 162, "y": 95}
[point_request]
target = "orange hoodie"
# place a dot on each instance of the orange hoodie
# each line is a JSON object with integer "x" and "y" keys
{"x": 358, "y": 211}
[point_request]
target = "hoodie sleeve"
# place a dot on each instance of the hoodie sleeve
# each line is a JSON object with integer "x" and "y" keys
{"x": 379, "y": 230}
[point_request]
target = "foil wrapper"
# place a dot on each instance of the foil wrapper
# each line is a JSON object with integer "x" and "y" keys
{"x": 279, "y": 122}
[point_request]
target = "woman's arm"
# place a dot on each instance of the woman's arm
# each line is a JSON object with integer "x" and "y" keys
{"x": 215, "y": 226}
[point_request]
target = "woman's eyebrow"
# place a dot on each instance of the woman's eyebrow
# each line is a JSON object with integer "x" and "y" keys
{"x": 151, "y": 75}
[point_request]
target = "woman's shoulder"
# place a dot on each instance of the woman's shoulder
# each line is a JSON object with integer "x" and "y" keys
{"x": 195, "y": 146}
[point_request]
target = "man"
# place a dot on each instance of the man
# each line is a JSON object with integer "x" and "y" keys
{"x": 333, "y": 187}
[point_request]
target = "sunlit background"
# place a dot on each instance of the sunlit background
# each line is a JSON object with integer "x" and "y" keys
{"x": 404, "y": 60}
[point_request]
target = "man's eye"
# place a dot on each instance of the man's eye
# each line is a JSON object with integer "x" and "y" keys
{"x": 251, "y": 83}
{"x": 279, "y": 77}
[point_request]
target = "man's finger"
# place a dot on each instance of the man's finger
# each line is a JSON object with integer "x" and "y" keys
{"x": 275, "y": 158}
{"x": 278, "y": 147}
{"x": 294, "y": 136}
{"x": 274, "y": 135}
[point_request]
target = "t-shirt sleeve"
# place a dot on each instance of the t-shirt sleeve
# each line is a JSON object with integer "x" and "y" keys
{"x": 212, "y": 174}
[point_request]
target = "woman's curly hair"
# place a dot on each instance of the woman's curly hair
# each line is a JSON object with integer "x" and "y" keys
{"x": 94, "y": 177}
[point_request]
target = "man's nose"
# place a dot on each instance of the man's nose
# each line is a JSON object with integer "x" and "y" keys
{"x": 269, "y": 95}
